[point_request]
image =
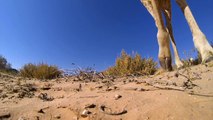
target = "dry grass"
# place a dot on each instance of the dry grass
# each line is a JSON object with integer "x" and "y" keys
{"x": 132, "y": 65}
{"x": 40, "y": 71}
{"x": 190, "y": 60}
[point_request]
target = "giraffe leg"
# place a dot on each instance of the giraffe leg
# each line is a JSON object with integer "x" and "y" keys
{"x": 200, "y": 41}
{"x": 166, "y": 8}
{"x": 164, "y": 55}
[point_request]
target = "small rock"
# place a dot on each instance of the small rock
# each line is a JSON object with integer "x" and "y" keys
{"x": 138, "y": 82}
{"x": 100, "y": 86}
{"x": 41, "y": 111}
{"x": 45, "y": 97}
{"x": 90, "y": 106}
{"x": 112, "y": 88}
{"x": 124, "y": 82}
{"x": 176, "y": 74}
{"x": 115, "y": 87}
{"x": 147, "y": 118}
{"x": 76, "y": 79}
{"x": 85, "y": 113}
{"x": 4, "y": 114}
{"x": 108, "y": 89}
{"x": 57, "y": 116}
{"x": 36, "y": 118}
{"x": 130, "y": 81}
{"x": 47, "y": 87}
{"x": 16, "y": 89}
{"x": 140, "y": 89}
{"x": 117, "y": 96}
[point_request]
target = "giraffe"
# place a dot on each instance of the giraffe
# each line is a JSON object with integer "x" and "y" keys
{"x": 158, "y": 8}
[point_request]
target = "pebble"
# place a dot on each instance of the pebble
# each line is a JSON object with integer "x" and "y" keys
{"x": 41, "y": 111}
{"x": 57, "y": 116}
{"x": 140, "y": 89}
{"x": 117, "y": 96}
{"x": 4, "y": 114}
{"x": 85, "y": 113}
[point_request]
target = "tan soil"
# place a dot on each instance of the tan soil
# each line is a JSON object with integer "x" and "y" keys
{"x": 159, "y": 97}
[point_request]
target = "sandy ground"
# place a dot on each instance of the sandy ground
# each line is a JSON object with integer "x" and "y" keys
{"x": 186, "y": 94}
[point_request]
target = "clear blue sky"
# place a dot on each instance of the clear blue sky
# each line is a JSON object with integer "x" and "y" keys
{"x": 87, "y": 32}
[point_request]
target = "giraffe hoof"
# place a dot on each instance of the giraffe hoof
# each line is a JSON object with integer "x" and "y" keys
{"x": 166, "y": 63}
{"x": 209, "y": 59}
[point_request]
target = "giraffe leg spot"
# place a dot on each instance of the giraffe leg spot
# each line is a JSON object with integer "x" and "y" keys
{"x": 166, "y": 63}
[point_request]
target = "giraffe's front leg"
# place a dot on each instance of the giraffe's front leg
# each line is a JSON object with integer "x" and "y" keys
{"x": 164, "y": 54}
{"x": 166, "y": 8}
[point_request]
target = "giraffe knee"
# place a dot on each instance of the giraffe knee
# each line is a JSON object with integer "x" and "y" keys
{"x": 163, "y": 38}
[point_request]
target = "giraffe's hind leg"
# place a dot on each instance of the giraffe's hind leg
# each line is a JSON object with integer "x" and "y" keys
{"x": 164, "y": 55}
{"x": 199, "y": 39}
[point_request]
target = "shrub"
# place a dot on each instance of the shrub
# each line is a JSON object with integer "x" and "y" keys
{"x": 4, "y": 64}
{"x": 10, "y": 71}
{"x": 5, "y": 67}
{"x": 40, "y": 71}
{"x": 132, "y": 65}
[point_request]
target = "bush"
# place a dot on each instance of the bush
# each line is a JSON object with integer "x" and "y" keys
{"x": 40, "y": 71}
{"x": 4, "y": 64}
{"x": 132, "y": 65}
{"x": 10, "y": 71}
{"x": 5, "y": 67}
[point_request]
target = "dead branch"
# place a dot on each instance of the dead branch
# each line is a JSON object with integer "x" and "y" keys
{"x": 169, "y": 87}
{"x": 183, "y": 89}
{"x": 198, "y": 94}
{"x": 88, "y": 96}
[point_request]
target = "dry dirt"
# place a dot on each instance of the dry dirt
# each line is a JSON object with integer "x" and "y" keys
{"x": 186, "y": 94}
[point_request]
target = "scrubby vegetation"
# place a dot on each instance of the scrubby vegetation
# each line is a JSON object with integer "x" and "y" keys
{"x": 5, "y": 66}
{"x": 190, "y": 61}
{"x": 40, "y": 71}
{"x": 132, "y": 65}
{"x": 3, "y": 63}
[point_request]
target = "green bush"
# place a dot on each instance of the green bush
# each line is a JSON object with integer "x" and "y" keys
{"x": 132, "y": 65}
{"x": 40, "y": 71}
